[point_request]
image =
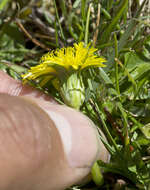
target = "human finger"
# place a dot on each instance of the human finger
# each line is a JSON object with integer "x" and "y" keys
{"x": 40, "y": 149}
{"x": 16, "y": 88}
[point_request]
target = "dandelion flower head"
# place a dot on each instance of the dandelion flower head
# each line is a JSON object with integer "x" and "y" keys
{"x": 74, "y": 58}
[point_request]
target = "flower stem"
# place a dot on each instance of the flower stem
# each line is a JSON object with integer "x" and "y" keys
{"x": 97, "y": 175}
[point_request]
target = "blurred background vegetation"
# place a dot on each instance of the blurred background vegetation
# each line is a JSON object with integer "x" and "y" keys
{"x": 120, "y": 30}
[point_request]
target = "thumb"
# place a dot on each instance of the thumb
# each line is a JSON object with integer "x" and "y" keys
{"x": 44, "y": 148}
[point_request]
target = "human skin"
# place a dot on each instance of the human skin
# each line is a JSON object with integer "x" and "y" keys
{"x": 43, "y": 145}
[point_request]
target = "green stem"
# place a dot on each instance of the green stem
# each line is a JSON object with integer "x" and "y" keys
{"x": 116, "y": 65}
{"x": 110, "y": 138}
{"x": 97, "y": 175}
{"x": 124, "y": 115}
{"x": 56, "y": 34}
{"x": 58, "y": 20}
{"x": 83, "y": 9}
{"x": 110, "y": 4}
{"x": 87, "y": 25}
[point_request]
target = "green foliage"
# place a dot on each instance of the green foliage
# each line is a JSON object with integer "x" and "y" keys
{"x": 117, "y": 97}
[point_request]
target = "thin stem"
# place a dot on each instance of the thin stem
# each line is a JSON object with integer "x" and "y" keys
{"x": 124, "y": 116}
{"x": 56, "y": 34}
{"x": 116, "y": 45}
{"x": 35, "y": 41}
{"x": 116, "y": 65}
{"x": 83, "y": 7}
{"x": 97, "y": 25}
{"x": 87, "y": 25}
{"x": 109, "y": 135}
{"x": 97, "y": 175}
{"x": 58, "y": 20}
{"x": 114, "y": 124}
{"x": 109, "y": 4}
{"x": 95, "y": 107}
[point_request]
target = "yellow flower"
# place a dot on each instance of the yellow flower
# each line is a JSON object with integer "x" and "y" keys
{"x": 62, "y": 67}
{"x": 76, "y": 58}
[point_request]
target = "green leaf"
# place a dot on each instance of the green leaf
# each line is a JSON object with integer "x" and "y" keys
{"x": 130, "y": 29}
{"x": 3, "y": 3}
{"x": 106, "y": 34}
{"x": 104, "y": 76}
{"x": 133, "y": 169}
{"x": 133, "y": 60}
{"x": 146, "y": 130}
{"x": 13, "y": 32}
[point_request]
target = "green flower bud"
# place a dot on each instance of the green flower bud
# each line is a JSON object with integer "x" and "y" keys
{"x": 73, "y": 91}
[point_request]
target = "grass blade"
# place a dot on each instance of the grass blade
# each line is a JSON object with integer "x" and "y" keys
{"x": 106, "y": 35}
{"x": 58, "y": 20}
{"x": 87, "y": 26}
{"x": 3, "y": 4}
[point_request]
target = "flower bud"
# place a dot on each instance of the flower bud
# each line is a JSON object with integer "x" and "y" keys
{"x": 73, "y": 91}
